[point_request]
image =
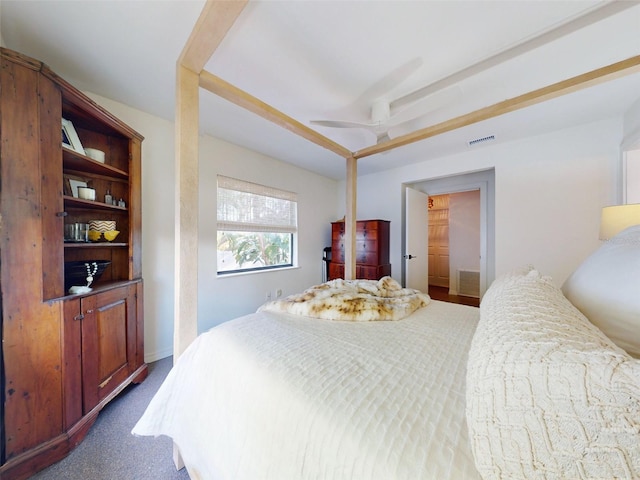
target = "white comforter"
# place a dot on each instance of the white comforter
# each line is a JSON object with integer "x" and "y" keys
{"x": 278, "y": 396}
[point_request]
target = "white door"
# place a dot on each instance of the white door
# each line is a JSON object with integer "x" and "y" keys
{"x": 416, "y": 251}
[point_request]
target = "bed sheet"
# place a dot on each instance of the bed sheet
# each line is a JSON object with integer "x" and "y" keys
{"x": 278, "y": 396}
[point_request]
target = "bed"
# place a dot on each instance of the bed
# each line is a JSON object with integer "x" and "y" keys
{"x": 524, "y": 387}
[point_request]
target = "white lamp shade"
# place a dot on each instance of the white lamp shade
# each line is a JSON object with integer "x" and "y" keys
{"x": 617, "y": 218}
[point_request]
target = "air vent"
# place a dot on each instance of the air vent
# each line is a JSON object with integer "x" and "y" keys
{"x": 481, "y": 140}
{"x": 469, "y": 283}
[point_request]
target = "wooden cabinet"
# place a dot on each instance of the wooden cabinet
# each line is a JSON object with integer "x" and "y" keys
{"x": 63, "y": 356}
{"x": 372, "y": 250}
{"x": 105, "y": 325}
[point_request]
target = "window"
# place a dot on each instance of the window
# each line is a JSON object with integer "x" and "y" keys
{"x": 256, "y": 226}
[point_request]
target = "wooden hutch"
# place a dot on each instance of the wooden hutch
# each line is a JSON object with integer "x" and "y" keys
{"x": 63, "y": 356}
{"x": 372, "y": 250}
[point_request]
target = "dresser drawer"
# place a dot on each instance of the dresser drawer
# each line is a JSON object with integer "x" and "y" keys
{"x": 336, "y": 270}
{"x": 369, "y": 257}
{"x": 372, "y": 272}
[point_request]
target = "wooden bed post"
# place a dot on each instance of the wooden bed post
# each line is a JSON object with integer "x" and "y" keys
{"x": 185, "y": 327}
{"x": 186, "y": 204}
{"x": 350, "y": 220}
{"x": 216, "y": 19}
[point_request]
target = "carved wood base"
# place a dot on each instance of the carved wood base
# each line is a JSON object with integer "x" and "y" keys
{"x": 32, "y": 461}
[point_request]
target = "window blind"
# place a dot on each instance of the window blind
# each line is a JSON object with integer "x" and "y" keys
{"x": 251, "y": 207}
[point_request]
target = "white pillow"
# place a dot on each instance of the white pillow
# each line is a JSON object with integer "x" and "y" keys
{"x": 606, "y": 289}
{"x": 548, "y": 394}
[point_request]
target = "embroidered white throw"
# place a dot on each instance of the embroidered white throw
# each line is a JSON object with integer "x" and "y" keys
{"x": 549, "y": 396}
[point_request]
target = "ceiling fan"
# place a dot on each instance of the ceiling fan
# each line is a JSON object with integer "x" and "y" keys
{"x": 385, "y": 115}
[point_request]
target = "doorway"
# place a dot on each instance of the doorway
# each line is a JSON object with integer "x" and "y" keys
{"x": 472, "y": 198}
{"x": 454, "y": 247}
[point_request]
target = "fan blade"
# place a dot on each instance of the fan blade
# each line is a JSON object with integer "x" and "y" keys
{"x": 342, "y": 124}
{"x": 376, "y": 92}
{"x": 392, "y": 80}
{"x": 383, "y": 137}
{"x": 425, "y": 106}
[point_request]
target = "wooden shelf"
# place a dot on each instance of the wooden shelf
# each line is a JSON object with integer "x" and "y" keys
{"x": 94, "y": 244}
{"x": 72, "y": 160}
{"x": 73, "y": 202}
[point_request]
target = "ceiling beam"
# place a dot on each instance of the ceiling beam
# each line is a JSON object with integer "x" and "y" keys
{"x": 589, "y": 79}
{"x": 212, "y": 26}
{"x": 584, "y": 19}
{"x": 229, "y": 92}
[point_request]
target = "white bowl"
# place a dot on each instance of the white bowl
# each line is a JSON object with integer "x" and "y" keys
{"x": 97, "y": 155}
{"x": 86, "y": 193}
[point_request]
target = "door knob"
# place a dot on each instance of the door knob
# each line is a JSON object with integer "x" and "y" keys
{"x": 409, "y": 257}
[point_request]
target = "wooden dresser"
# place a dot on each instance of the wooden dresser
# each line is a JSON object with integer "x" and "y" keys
{"x": 372, "y": 250}
{"x": 63, "y": 357}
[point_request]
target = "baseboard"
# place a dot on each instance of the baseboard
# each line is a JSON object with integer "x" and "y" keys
{"x": 150, "y": 357}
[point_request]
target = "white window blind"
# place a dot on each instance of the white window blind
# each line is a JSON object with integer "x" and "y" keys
{"x": 251, "y": 207}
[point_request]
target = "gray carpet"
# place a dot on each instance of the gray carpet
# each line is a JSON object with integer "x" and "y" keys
{"x": 110, "y": 452}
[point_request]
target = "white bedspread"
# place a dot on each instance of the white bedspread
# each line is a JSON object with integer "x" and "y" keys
{"x": 277, "y": 396}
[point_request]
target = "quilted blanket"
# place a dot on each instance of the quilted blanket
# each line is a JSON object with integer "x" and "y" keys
{"x": 353, "y": 300}
{"x": 275, "y": 396}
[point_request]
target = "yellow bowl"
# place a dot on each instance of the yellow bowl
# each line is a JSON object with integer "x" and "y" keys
{"x": 94, "y": 236}
{"x": 111, "y": 235}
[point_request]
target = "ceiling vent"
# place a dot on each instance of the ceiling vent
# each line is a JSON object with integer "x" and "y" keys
{"x": 488, "y": 138}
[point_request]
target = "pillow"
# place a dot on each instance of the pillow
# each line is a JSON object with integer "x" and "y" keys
{"x": 548, "y": 394}
{"x": 606, "y": 289}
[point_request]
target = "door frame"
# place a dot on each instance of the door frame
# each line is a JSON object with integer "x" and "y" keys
{"x": 456, "y": 184}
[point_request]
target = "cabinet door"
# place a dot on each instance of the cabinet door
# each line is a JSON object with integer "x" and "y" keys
{"x": 108, "y": 342}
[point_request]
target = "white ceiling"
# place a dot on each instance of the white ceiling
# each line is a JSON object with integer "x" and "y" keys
{"x": 328, "y": 60}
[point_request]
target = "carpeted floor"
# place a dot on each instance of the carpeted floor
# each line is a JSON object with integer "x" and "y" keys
{"x": 110, "y": 452}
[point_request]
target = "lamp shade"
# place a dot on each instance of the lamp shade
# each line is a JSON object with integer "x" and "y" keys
{"x": 617, "y": 218}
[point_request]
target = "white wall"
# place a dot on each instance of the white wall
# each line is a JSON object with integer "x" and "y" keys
{"x": 632, "y": 177}
{"x": 549, "y": 191}
{"x": 631, "y": 126}
{"x": 225, "y": 298}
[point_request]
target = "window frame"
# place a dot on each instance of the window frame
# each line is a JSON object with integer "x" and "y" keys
{"x": 264, "y": 210}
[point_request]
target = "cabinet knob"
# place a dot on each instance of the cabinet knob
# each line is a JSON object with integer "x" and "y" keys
{"x": 79, "y": 317}
{"x": 61, "y": 214}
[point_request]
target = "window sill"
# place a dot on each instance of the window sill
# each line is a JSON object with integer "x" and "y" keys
{"x": 255, "y": 272}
